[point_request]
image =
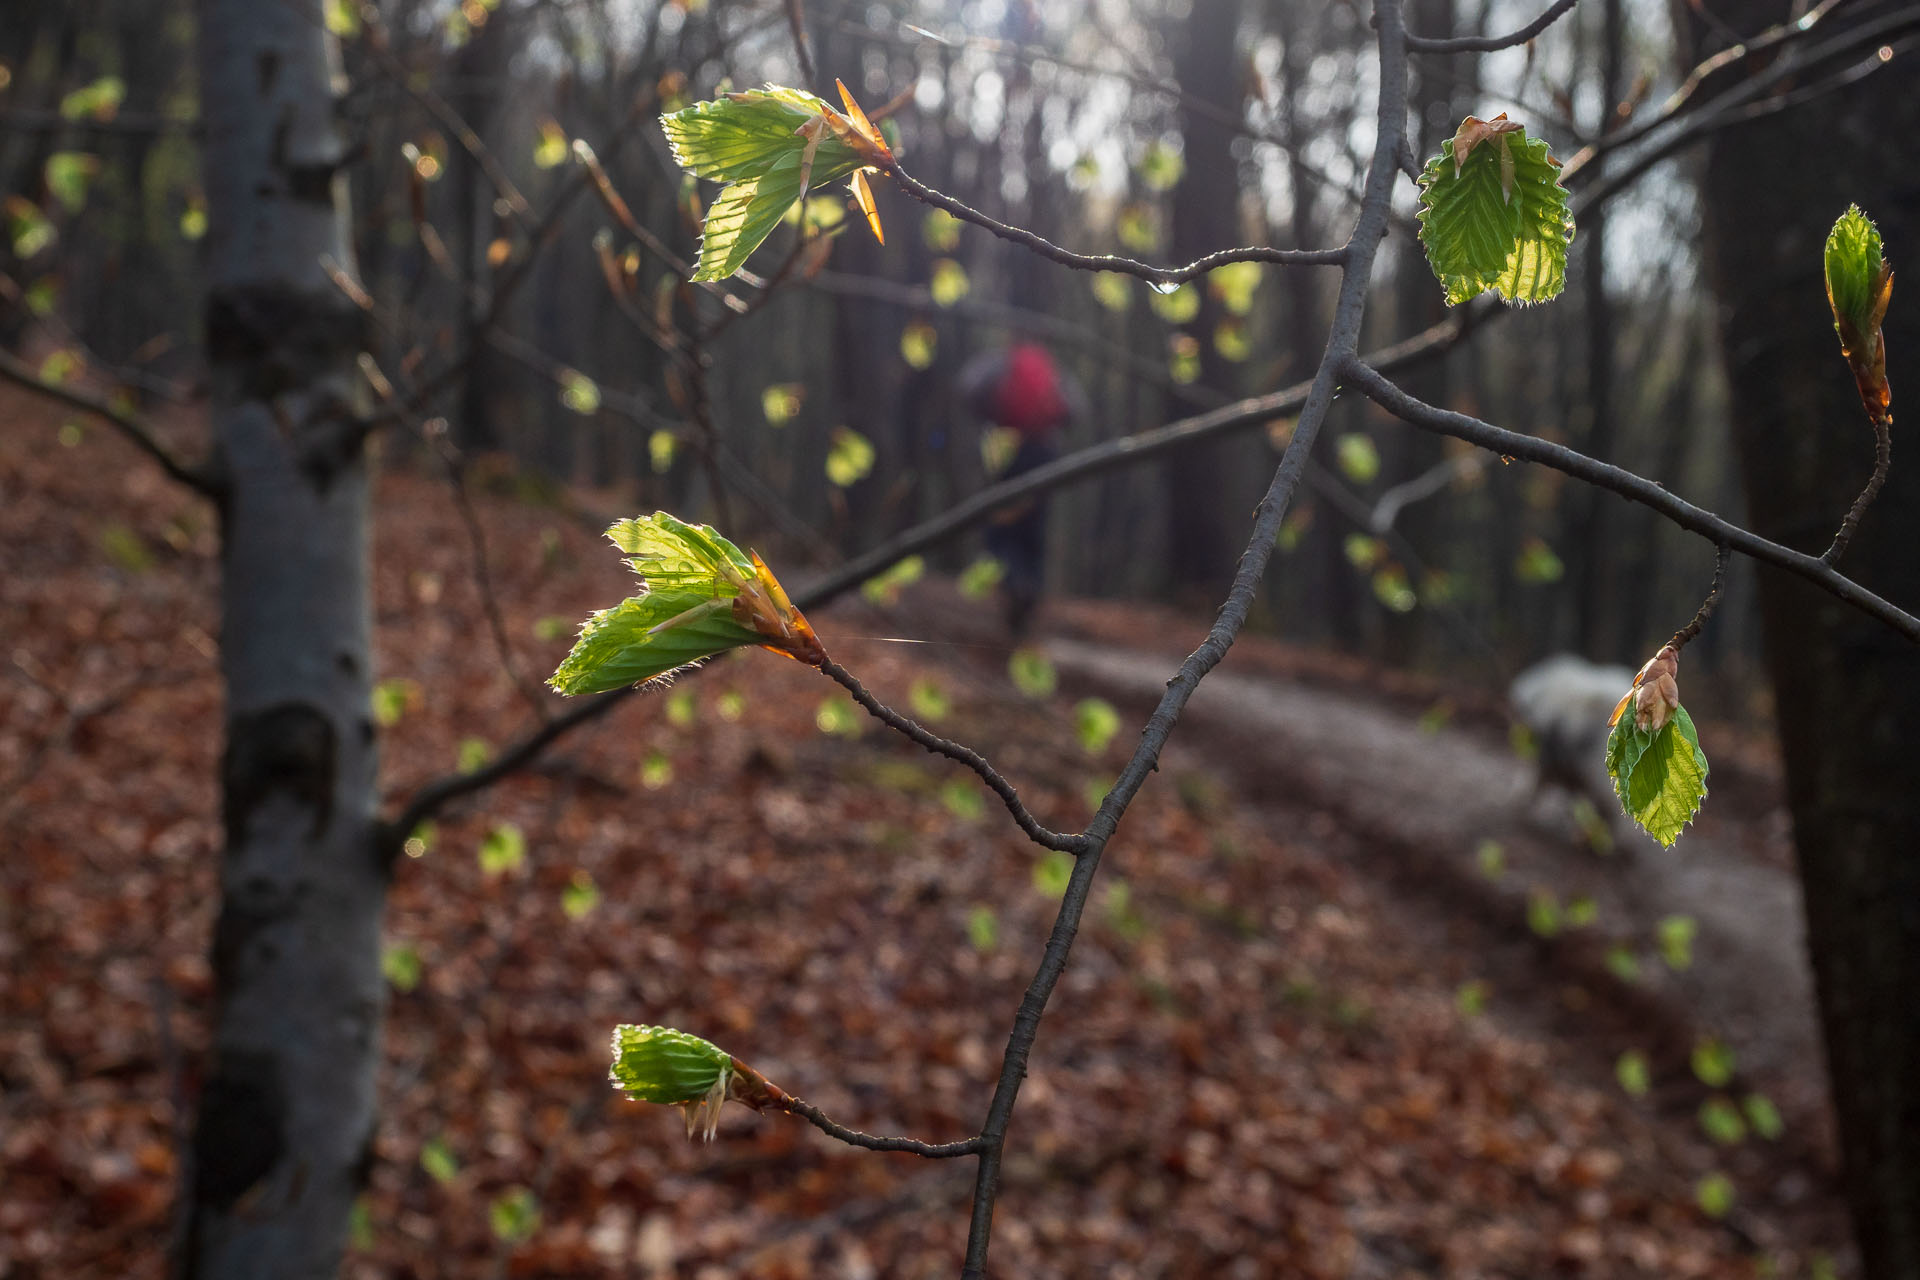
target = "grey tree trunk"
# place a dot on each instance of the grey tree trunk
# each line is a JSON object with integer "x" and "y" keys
{"x": 1847, "y": 688}
{"x": 286, "y": 1115}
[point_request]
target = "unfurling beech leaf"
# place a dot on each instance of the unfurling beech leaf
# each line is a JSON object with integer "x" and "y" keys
{"x": 659, "y": 1064}
{"x": 771, "y": 146}
{"x": 1659, "y": 774}
{"x": 1859, "y": 287}
{"x": 1493, "y": 214}
{"x": 701, "y": 596}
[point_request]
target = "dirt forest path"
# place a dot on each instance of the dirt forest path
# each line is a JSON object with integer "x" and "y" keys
{"x": 1433, "y": 795}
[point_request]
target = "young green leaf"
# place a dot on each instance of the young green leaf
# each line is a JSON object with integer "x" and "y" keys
{"x": 1632, "y": 1072}
{"x": 1032, "y": 674}
{"x": 1712, "y": 1062}
{"x": 437, "y": 1158}
{"x": 1493, "y": 214}
{"x": 930, "y": 702}
{"x": 514, "y": 1215}
{"x": 1674, "y": 936}
{"x": 701, "y": 596}
{"x": 400, "y": 965}
{"x": 1660, "y": 775}
{"x": 1095, "y": 722}
{"x": 981, "y": 577}
{"x": 660, "y": 1064}
{"x": 1721, "y": 1121}
{"x": 1715, "y": 1194}
{"x": 983, "y": 928}
{"x": 963, "y": 800}
{"x": 580, "y": 896}
{"x": 1763, "y": 1116}
{"x": 772, "y": 146}
{"x": 503, "y": 849}
{"x": 884, "y": 588}
{"x": 1859, "y": 288}
{"x": 1051, "y": 873}
{"x": 849, "y": 457}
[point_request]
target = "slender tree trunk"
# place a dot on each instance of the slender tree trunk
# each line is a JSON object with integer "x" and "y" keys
{"x": 1598, "y": 630}
{"x": 286, "y": 1116}
{"x": 1209, "y": 502}
{"x": 1848, "y": 689}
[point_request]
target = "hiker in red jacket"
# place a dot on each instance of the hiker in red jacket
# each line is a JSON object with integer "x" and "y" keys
{"x": 1022, "y": 389}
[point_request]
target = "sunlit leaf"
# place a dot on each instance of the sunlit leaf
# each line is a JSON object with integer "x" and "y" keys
{"x": 1674, "y": 936}
{"x": 660, "y": 1064}
{"x": 680, "y": 708}
{"x": 948, "y": 283}
{"x": 940, "y": 231}
{"x": 392, "y": 699}
{"x": 929, "y": 701}
{"x": 1860, "y": 288}
{"x": 1234, "y": 284}
{"x": 474, "y": 754}
{"x": 662, "y": 445}
{"x": 1231, "y": 341}
{"x": 1715, "y": 1195}
{"x": 1722, "y": 1122}
{"x": 1032, "y": 674}
{"x": 1763, "y": 1116}
{"x": 1633, "y": 1073}
{"x": 579, "y": 392}
{"x": 656, "y": 771}
{"x": 1358, "y": 458}
{"x": 1543, "y": 913}
{"x": 1712, "y": 1062}
{"x": 983, "y": 928}
{"x": 1363, "y": 551}
{"x": 1138, "y": 228}
{"x": 1660, "y": 775}
{"x": 850, "y": 457}
{"x": 1392, "y": 590}
{"x": 981, "y": 577}
{"x": 998, "y": 445}
{"x": 580, "y": 896}
{"x": 1493, "y": 214}
{"x": 1052, "y": 872}
{"x": 1471, "y": 997}
{"x": 1491, "y": 858}
{"x": 1536, "y": 563}
{"x": 963, "y": 800}
{"x": 553, "y": 147}
{"x": 342, "y": 18}
{"x": 1183, "y": 358}
{"x": 1161, "y": 166}
{"x": 1112, "y": 290}
{"x": 124, "y": 548}
{"x": 514, "y": 1215}
{"x": 918, "y": 342}
{"x": 1095, "y": 723}
{"x": 1178, "y": 307}
{"x": 701, "y": 595}
{"x": 503, "y": 850}
{"x": 1622, "y": 963}
{"x": 68, "y": 175}
{"x": 1581, "y": 912}
{"x": 99, "y": 100}
{"x": 781, "y": 402}
{"x": 437, "y": 1158}
{"x": 400, "y": 965}
{"x": 838, "y": 716}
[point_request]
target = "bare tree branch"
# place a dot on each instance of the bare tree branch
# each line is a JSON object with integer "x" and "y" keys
{"x": 1113, "y": 262}
{"x": 967, "y": 756}
{"x": 1491, "y": 44}
{"x": 199, "y": 478}
{"x": 1628, "y": 485}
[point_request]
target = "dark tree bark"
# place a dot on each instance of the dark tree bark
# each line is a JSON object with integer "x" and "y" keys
{"x": 1848, "y": 689}
{"x": 1208, "y": 504}
{"x": 285, "y": 1123}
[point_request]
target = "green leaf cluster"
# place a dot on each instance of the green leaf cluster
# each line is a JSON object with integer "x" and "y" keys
{"x": 1660, "y": 775}
{"x": 689, "y": 573}
{"x": 751, "y": 141}
{"x": 1485, "y": 230}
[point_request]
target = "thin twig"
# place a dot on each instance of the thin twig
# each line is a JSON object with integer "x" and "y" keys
{"x": 1721, "y": 553}
{"x": 1882, "y": 459}
{"x": 1342, "y": 338}
{"x": 854, "y": 1138}
{"x": 1491, "y": 44}
{"x": 1112, "y": 262}
{"x": 797, "y": 21}
{"x": 198, "y": 478}
{"x": 1628, "y": 485}
{"x": 1040, "y": 835}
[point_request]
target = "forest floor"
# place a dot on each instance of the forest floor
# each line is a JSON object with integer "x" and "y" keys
{"x": 1312, "y": 1026}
